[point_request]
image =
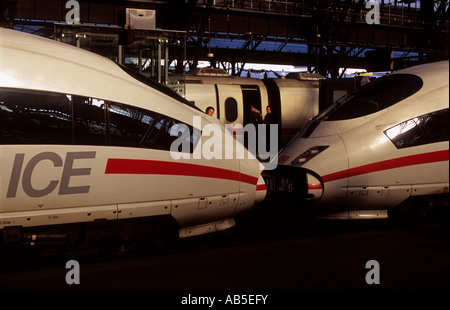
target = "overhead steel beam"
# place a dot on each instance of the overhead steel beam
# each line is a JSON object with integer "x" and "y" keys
{"x": 329, "y": 28}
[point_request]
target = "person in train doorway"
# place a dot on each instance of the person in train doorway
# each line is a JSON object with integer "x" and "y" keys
{"x": 210, "y": 111}
{"x": 268, "y": 119}
{"x": 255, "y": 116}
{"x": 255, "y": 119}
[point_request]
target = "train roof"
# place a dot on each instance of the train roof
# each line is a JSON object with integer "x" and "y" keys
{"x": 434, "y": 74}
{"x": 32, "y": 62}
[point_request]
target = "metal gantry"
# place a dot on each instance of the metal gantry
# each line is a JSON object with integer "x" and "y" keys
{"x": 321, "y": 35}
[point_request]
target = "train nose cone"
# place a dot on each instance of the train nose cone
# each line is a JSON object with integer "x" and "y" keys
{"x": 315, "y": 187}
{"x": 312, "y": 169}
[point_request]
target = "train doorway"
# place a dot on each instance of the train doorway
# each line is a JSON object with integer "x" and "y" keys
{"x": 251, "y": 96}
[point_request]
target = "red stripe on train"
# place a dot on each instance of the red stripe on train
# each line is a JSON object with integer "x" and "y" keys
{"x": 261, "y": 187}
{"x": 315, "y": 186}
{"x": 400, "y": 162}
{"x": 141, "y": 166}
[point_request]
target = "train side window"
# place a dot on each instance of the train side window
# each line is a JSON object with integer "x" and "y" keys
{"x": 34, "y": 117}
{"x": 231, "y": 110}
{"x": 166, "y": 130}
{"x": 89, "y": 125}
{"x": 425, "y": 129}
{"x": 163, "y": 139}
{"x": 376, "y": 96}
{"x": 127, "y": 125}
{"x": 436, "y": 126}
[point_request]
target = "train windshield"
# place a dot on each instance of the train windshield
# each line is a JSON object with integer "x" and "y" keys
{"x": 373, "y": 97}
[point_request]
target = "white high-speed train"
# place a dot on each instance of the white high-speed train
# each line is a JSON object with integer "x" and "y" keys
{"x": 374, "y": 148}
{"x": 293, "y": 99}
{"x": 82, "y": 142}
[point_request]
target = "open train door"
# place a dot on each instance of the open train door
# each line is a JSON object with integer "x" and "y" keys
{"x": 251, "y": 96}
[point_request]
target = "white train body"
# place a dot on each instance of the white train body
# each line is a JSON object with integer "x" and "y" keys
{"x": 83, "y": 141}
{"x": 374, "y": 148}
{"x": 294, "y": 99}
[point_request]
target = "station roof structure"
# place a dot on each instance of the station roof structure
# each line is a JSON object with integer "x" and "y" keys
{"x": 324, "y": 36}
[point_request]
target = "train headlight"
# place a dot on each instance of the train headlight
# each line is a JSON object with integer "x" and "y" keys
{"x": 308, "y": 155}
